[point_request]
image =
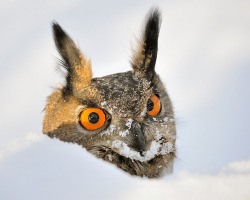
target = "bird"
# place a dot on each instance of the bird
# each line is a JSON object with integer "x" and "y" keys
{"x": 126, "y": 118}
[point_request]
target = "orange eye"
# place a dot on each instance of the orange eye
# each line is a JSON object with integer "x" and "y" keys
{"x": 153, "y": 105}
{"x": 92, "y": 118}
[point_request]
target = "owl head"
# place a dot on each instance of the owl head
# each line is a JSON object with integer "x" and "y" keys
{"x": 125, "y": 118}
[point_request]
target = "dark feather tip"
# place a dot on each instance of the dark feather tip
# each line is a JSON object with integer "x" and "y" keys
{"x": 152, "y": 27}
{"x": 59, "y": 34}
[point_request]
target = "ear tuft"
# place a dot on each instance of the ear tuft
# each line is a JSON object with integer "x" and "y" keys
{"x": 145, "y": 56}
{"x": 79, "y": 73}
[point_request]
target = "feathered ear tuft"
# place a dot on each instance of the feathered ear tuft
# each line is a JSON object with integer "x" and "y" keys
{"x": 144, "y": 58}
{"x": 79, "y": 73}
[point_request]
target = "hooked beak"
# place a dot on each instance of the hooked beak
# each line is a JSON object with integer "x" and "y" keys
{"x": 136, "y": 138}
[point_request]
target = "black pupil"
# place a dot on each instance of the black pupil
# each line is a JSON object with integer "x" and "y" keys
{"x": 93, "y": 118}
{"x": 150, "y": 105}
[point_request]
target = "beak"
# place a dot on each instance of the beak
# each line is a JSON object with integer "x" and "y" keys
{"x": 136, "y": 138}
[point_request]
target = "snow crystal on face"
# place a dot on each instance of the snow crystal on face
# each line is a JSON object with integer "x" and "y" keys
{"x": 155, "y": 119}
{"x": 129, "y": 123}
{"x": 112, "y": 128}
{"x": 103, "y": 103}
{"x": 158, "y": 136}
{"x": 165, "y": 119}
{"x": 155, "y": 149}
{"x": 166, "y": 148}
{"x": 110, "y": 157}
{"x": 125, "y": 150}
{"x": 110, "y": 110}
{"x": 123, "y": 133}
{"x": 171, "y": 120}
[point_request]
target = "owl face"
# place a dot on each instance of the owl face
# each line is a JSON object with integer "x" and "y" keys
{"x": 125, "y": 118}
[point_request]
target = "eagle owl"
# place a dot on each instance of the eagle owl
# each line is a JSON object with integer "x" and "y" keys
{"x": 125, "y": 118}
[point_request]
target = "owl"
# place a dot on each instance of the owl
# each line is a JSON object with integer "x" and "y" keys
{"x": 125, "y": 118}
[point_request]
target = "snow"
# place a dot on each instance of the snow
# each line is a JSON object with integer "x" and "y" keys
{"x": 51, "y": 169}
{"x": 103, "y": 103}
{"x": 148, "y": 155}
{"x": 112, "y": 128}
{"x": 110, "y": 157}
{"x": 194, "y": 186}
{"x": 165, "y": 119}
{"x": 155, "y": 119}
{"x": 171, "y": 120}
{"x": 123, "y": 133}
{"x": 19, "y": 145}
{"x": 238, "y": 166}
{"x": 129, "y": 123}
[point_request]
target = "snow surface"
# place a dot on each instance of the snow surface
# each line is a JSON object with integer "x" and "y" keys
{"x": 46, "y": 168}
